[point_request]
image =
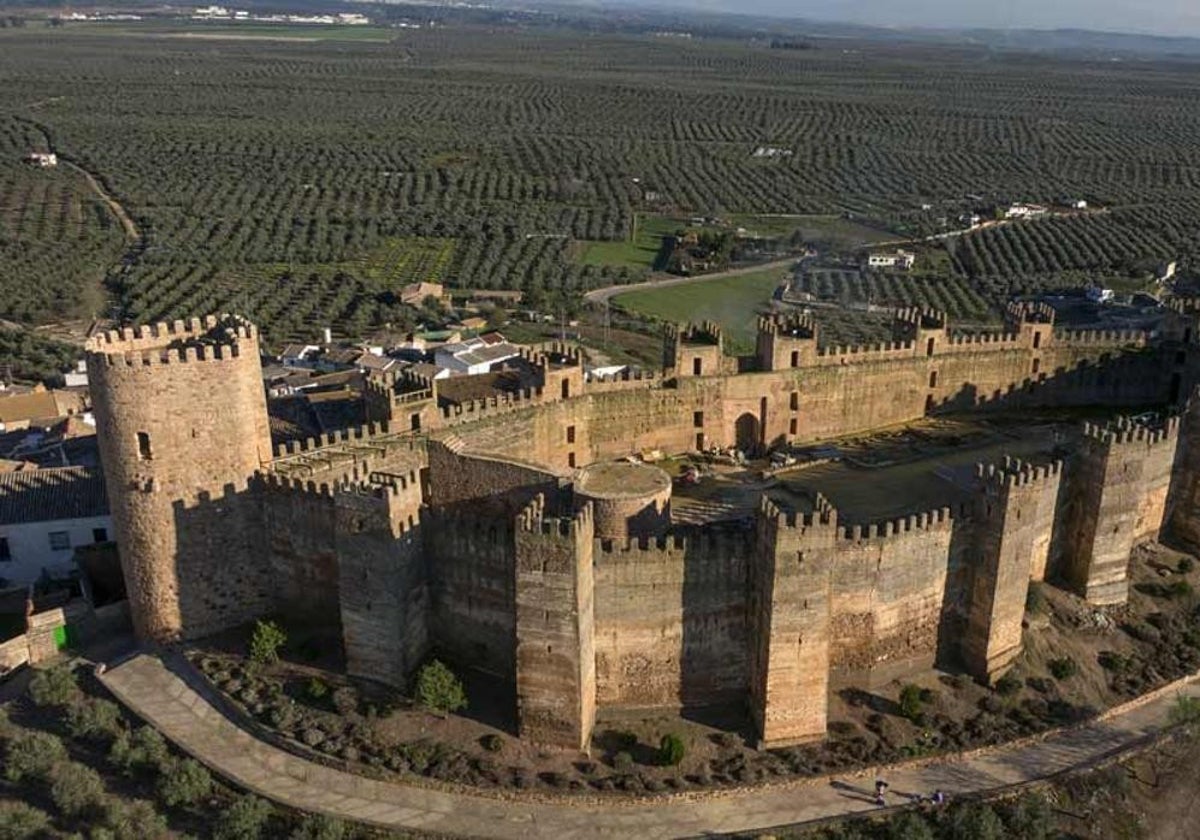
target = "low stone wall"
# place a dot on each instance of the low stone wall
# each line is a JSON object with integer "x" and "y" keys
{"x": 72, "y": 624}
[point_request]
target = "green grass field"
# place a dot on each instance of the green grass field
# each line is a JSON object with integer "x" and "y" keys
{"x": 733, "y": 302}
{"x": 639, "y": 252}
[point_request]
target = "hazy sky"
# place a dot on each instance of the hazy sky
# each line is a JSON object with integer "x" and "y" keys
{"x": 1162, "y": 17}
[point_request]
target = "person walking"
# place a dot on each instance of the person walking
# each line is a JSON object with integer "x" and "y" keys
{"x": 880, "y": 789}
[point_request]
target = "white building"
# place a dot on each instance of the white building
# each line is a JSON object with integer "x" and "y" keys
{"x": 473, "y": 357}
{"x": 1025, "y": 211}
{"x": 42, "y": 159}
{"x": 900, "y": 259}
{"x": 1099, "y": 294}
{"x": 45, "y": 515}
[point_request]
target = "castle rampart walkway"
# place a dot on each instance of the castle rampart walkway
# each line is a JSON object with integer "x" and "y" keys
{"x": 174, "y": 701}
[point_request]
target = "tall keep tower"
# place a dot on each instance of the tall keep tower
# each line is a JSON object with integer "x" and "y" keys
{"x": 181, "y": 418}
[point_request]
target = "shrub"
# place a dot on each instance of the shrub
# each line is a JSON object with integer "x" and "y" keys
{"x": 245, "y": 819}
{"x": 135, "y": 818}
{"x": 492, "y": 742}
{"x": 1030, "y": 818}
{"x": 1035, "y": 598}
{"x": 670, "y": 750}
{"x": 31, "y": 755}
{"x": 1186, "y": 710}
{"x": 19, "y": 821}
{"x": 96, "y": 719}
{"x": 1008, "y": 685}
{"x": 910, "y": 701}
{"x": 319, "y": 827}
{"x": 974, "y": 822}
{"x": 76, "y": 789}
{"x": 439, "y": 690}
{"x": 345, "y": 700}
{"x": 909, "y": 826}
{"x": 1112, "y": 661}
{"x": 54, "y": 687}
{"x": 1186, "y": 564}
{"x": 184, "y": 782}
{"x": 623, "y": 762}
{"x": 1180, "y": 589}
{"x": 265, "y": 642}
{"x": 1062, "y": 668}
{"x": 316, "y": 689}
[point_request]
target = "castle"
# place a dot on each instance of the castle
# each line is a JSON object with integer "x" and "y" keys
{"x": 502, "y": 533}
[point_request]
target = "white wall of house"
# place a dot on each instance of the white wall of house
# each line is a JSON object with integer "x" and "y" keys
{"x": 26, "y": 548}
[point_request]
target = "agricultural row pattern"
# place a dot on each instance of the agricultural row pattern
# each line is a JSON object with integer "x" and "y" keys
{"x": 272, "y": 176}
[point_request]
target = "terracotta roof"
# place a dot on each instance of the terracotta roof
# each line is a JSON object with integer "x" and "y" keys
{"x": 47, "y": 495}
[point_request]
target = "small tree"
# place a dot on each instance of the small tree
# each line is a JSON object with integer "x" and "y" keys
{"x": 135, "y": 818}
{"x": 245, "y": 819}
{"x": 18, "y": 820}
{"x": 319, "y": 827}
{"x": 76, "y": 789}
{"x": 30, "y": 755}
{"x": 54, "y": 687}
{"x": 1185, "y": 711}
{"x": 670, "y": 750}
{"x": 265, "y": 642}
{"x": 183, "y": 782}
{"x": 910, "y": 701}
{"x": 622, "y": 762}
{"x": 439, "y": 690}
{"x": 96, "y": 719}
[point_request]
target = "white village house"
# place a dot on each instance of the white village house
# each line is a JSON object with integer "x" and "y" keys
{"x": 45, "y": 515}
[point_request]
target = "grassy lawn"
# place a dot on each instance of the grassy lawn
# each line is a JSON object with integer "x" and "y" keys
{"x": 639, "y": 252}
{"x": 733, "y": 302}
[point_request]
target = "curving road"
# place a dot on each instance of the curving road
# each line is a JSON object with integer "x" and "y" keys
{"x": 169, "y": 694}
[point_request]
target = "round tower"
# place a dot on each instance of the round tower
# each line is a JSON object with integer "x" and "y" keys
{"x": 628, "y": 500}
{"x": 181, "y": 420}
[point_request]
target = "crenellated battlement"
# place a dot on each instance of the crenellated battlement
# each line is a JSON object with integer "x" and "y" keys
{"x": 342, "y": 436}
{"x": 1185, "y": 304}
{"x": 1095, "y": 338}
{"x": 1013, "y": 472}
{"x": 789, "y": 324}
{"x": 939, "y": 519}
{"x": 533, "y": 520}
{"x": 470, "y": 410}
{"x": 853, "y": 354}
{"x": 921, "y": 318}
{"x": 212, "y": 338}
{"x": 275, "y": 483}
{"x": 626, "y": 380}
{"x": 1125, "y": 430}
{"x": 705, "y": 332}
{"x": 823, "y": 514}
{"x": 1019, "y": 312}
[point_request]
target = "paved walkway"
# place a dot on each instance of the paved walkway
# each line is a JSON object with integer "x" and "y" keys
{"x": 183, "y": 713}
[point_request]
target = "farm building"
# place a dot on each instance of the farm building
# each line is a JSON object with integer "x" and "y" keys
{"x": 899, "y": 259}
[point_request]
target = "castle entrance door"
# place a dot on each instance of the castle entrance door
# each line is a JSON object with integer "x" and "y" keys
{"x": 747, "y": 434}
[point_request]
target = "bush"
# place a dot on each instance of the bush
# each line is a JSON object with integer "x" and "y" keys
{"x": 1186, "y": 710}
{"x": 910, "y": 701}
{"x": 1062, "y": 668}
{"x": 30, "y": 755}
{"x": 184, "y": 782}
{"x": 76, "y": 789}
{"x": 54, "y": 687}
{"x": 1180, "y": 589}
{"x": 345, "y": 700}
{"x": 492, "y": 742}
{"x": 142, "y": 749}
{"x": 97, "y": 719}
{"x": 623, "y": 762}
{"x": 1112, "y": 661}
{"x": 135, "y": 818}
{"x": 245, "y": 819}
{"x": 19, "y": 821}
{"x": 1035, "y": 598}
{"x": 439, "y": 690}
{"x": 265, "y": 642}
{"x": 1008, "y": 685}
{"x": 974, "y": 822}
{"x": 670, "y": 750}
{"x": 1186, "y": 564}
{"x": 319, "y": 827}
{"x": 316, "y": 689}
{"x": 908, "y": 826}
{"x": 1031, "y": 818}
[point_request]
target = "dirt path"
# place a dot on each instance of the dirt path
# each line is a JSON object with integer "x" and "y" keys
{"x": 132, "y": 235}
{"x": 606, "y": 293}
